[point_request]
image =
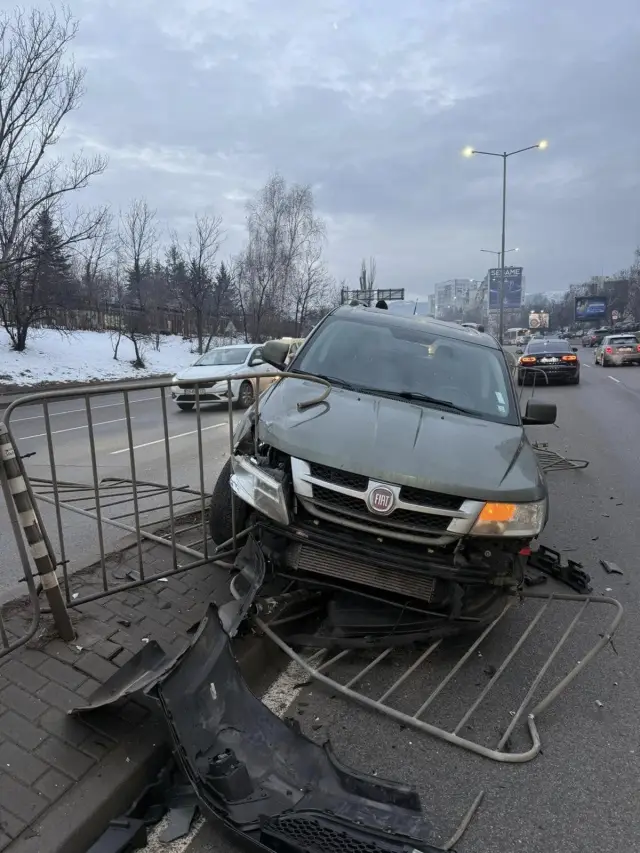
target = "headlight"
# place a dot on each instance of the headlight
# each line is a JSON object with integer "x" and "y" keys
{"x": 518, "y": 520}
{"x": 259, "y": 489}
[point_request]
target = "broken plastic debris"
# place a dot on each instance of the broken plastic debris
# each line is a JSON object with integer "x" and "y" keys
{"x": 74, "y": 595}
{"x": 599, "y": 703}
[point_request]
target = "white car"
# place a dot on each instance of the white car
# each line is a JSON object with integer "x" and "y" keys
{"x": 217, "y": 364}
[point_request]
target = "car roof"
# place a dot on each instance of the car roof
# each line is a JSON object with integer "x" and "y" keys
{"x": 379, "y": 317}
{"x": 234, "y": 346}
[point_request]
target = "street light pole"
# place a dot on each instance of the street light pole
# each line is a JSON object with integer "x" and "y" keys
{"x": 504, "y": 229}
{"x": 469, "y": 152}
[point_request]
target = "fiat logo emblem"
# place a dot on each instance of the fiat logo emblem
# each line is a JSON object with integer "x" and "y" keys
{"x": 381, "y": 500}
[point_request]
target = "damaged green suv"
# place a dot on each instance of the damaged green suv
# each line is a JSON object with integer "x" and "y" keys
{"x": 408, "y": 498}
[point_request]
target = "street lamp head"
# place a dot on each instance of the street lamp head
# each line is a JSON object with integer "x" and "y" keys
{"x": 544, "y": 143}
{"x": 468, "y": 151}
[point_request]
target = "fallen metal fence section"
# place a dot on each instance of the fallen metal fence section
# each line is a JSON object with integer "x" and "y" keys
{"x": 502, "y": 751}
{"x": 552, "y": 461}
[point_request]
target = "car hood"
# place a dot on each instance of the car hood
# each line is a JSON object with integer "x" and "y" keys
{"x": 403, "y": 443}
{"x": 215, "y": 371}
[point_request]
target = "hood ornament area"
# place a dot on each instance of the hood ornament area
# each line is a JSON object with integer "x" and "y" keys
{"x": 381, "y": 500}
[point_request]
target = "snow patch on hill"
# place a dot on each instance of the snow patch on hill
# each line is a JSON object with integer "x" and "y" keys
{"x": 86, "y": 357}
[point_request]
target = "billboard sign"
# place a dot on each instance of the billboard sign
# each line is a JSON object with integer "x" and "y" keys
{"x": 512, "y": 287}
{"x": 538, "y": 320}
{"x": 591, "y": 307}
{"x": 372, "y": 296}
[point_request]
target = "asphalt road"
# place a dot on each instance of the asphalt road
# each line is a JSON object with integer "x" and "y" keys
{"x": 72, "y": 456}
{"x": 582, "y": 792}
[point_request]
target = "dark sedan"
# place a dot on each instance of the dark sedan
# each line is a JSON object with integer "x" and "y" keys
{"x": 548, "y": 360}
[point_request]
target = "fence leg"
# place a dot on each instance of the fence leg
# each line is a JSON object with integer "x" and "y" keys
{"x": 42, "y": 558}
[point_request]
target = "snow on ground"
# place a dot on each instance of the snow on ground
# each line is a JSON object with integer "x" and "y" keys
{"x": 87, "y": 356}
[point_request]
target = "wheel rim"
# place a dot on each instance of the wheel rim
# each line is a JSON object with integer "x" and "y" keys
{"x": 246, "y": 394}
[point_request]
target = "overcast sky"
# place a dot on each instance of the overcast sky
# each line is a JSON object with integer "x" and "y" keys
{"x": 196, "y": 102}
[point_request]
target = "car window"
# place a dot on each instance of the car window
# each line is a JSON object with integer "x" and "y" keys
{"x": 622, "y": 340}
{"x": 257, "y": 354}
{"x": 224, "y": 356}
{"x": 406, "y": 358}
{"x": 548, "y": 345}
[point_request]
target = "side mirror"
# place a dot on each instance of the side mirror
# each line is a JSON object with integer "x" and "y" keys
{"x": 481, "y": 328}
{"x": 574, "y": 349}
{"x": 275, "y": 353}
{"x": 519, "y": 351}
{"x": 539, "y": 413}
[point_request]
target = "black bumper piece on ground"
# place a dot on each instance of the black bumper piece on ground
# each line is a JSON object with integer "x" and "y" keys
{"x": 263, "y": 780}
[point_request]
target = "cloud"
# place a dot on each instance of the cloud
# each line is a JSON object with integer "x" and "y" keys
{"x": 198, "y": 101}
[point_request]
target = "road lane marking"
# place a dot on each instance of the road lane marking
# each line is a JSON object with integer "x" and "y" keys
{"x": 162, "y": 440}
{"x": 71, "y": 429}
{"x": 73, "y": 411}
{"x": 614, "y": 379}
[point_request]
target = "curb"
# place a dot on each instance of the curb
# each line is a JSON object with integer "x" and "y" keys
{"x": 109, "y": 789}
{"x": 14, "y": 393}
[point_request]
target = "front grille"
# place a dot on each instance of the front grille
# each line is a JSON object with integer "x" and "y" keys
{"x": 359, "y": 482}
{"x": 187, "y": 386}
{"x": 436, "y": 500}
{"x": 399, "y": 519}
{"x": 339, "y": 477}
{"x": 305, "y": 558}
{"x": 314, "y": 834}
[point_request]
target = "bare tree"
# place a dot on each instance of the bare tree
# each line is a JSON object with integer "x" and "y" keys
{"x": 280, "y": 223}
{"x": 196, "y": 289}
{"x": 222, "y": 302}
{"x": 93, "y": 257}
{"x": 39, "y": 87}
{"x": 311, "y": 285}
{"x": 138, "y": 241}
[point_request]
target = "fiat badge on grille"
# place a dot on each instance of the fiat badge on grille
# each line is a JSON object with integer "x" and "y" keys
{"x": 381, "y": 500}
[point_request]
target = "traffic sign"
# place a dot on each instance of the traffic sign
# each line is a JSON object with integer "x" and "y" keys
{"x": 615, "y": 315}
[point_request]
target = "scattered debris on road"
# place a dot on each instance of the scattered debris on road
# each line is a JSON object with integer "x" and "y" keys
{"x": 611, "y": 568}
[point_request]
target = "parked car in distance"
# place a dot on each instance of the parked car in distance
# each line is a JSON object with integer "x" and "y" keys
{"x": 616, "y": 350}
{"x": 548, "y": 360}
{"x": 210, "y": 371}
{"x": 594, "y": 336}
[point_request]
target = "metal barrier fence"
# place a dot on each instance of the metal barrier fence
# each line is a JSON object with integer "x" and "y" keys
{"x": 146, "y": 470}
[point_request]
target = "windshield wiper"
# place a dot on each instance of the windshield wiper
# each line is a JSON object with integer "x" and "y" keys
{"x": 425, "y": 398}
{"x": 334, "y": 380}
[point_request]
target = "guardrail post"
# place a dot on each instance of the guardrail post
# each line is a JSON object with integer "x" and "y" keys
{"x": 42, "y": 558}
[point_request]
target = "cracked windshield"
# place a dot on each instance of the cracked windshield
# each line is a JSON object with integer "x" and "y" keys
{"x": 319, "y": 393}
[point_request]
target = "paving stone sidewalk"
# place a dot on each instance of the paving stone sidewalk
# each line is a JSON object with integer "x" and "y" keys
{"x": 55, "y": 770}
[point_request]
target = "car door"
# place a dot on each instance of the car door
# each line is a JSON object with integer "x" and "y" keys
{"x": 256, "y": 364}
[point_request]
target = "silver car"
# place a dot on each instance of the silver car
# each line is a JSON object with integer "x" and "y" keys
{"x": 616, "y": 350}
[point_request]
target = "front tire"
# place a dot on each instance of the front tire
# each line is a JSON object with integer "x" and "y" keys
{"x": 222, "y": 500}
{"x": 246, "y": 395}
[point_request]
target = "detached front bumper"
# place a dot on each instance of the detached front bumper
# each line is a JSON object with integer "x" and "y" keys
{"x": 259, "y": 778}
{"x": 266, "y": 783}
